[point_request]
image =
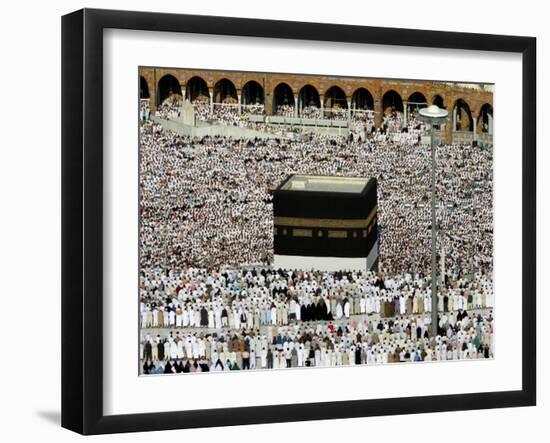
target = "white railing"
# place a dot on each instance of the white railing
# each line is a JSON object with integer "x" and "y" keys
{"x": 462, "y": 137}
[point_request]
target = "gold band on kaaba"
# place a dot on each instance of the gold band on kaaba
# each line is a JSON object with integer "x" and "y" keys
{"x": 337, "y": 234}
{"x": 329, "y": 223}
{"x": 302, "y": 232}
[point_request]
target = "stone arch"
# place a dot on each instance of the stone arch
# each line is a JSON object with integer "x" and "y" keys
{"x": 485, "y": 120}
{"x": 309, "y": 96}
{"x": 143, "y": 88}
{"x": 362, "y": 99}
{"x": 335, "y": 103}
{"x": 462, "y": 116}
{"x": 225, "y": 92}
{"x": 196, "y": 90}
{"x": 252, "y": 93}
{"x": 391, "y": 101}
{"x": 168, "y": 85}
{"x": 335, "y": 97}
{"x": 438, "y": 101}
{"x": 283, "y": 96}
{"x": 417, "y": 100}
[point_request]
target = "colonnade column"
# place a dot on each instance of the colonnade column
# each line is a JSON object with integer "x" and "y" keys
{"x": 454, "y": 119}
{"x": 449, "y": 132}
{"x": 183, "y": 91}
{"x": 268, "y": 104}
{"x": 152, "y": 99}
{"x": 378, "y": 112}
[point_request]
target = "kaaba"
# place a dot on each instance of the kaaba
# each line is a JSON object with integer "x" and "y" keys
{"x": 326, "y": 223}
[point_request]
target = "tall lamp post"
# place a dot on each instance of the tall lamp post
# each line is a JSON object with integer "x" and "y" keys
{"x": 433, "y": 115}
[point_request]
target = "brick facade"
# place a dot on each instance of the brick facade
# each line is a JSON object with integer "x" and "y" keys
{"x": 475, "y": 96}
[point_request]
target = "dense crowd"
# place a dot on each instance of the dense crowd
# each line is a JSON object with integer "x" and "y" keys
{"x": 171, "y": 107}
{"x": 206, "y": 209}
{"x": 253, "y": 109}
{"x": 144, "y": 110}
{"x": 393, "y": 121}
{"x": 310, "y": 111}
{"x": 278, "y": 319}
{"x": 251, "y": 299}
{"x": 319, "y": 344}
{"x": 213, "y": 194}
{"x": 337, "y": 113}
{"x": 285, "y": 110}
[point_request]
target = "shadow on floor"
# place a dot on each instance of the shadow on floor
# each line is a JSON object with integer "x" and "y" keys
{"x": 54, "y": 417}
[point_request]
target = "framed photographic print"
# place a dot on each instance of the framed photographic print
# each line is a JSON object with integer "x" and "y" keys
{"x": 283, "y": 221}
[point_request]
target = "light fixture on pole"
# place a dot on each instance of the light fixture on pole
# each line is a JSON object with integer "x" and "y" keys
{"x": 433, "y": 115}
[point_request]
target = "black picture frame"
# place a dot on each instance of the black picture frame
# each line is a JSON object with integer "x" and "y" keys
{"x": 82, "y": 215}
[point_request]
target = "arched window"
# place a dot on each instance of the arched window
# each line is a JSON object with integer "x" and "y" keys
{"x": 225, "y": 92}
{"x": 335, "y": 97}
{"x": 391, "y": 102}
{"x": 168, "y": 85}
{"x": 362, "y": 99}
{"x": 143, "y": 88}
{"x": 438, "y": 101}
{"x": 485, "y": 121}
{"x": 196, "y": 90}
{"x": 252, "y": 93}
{"x": 462, "y": 116}
{"x": 417, "y": 100}
{"x": 283, "y": 100}
{"x": 335, "y": 103}
{"x": 309, "y": 102}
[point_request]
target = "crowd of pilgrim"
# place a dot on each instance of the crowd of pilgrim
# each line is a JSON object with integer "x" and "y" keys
{"x": 206, "y": 210}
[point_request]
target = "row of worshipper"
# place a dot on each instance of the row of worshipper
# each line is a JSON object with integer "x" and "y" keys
{"x": 329, "y": 344}
{"x": 248, "y": 299}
